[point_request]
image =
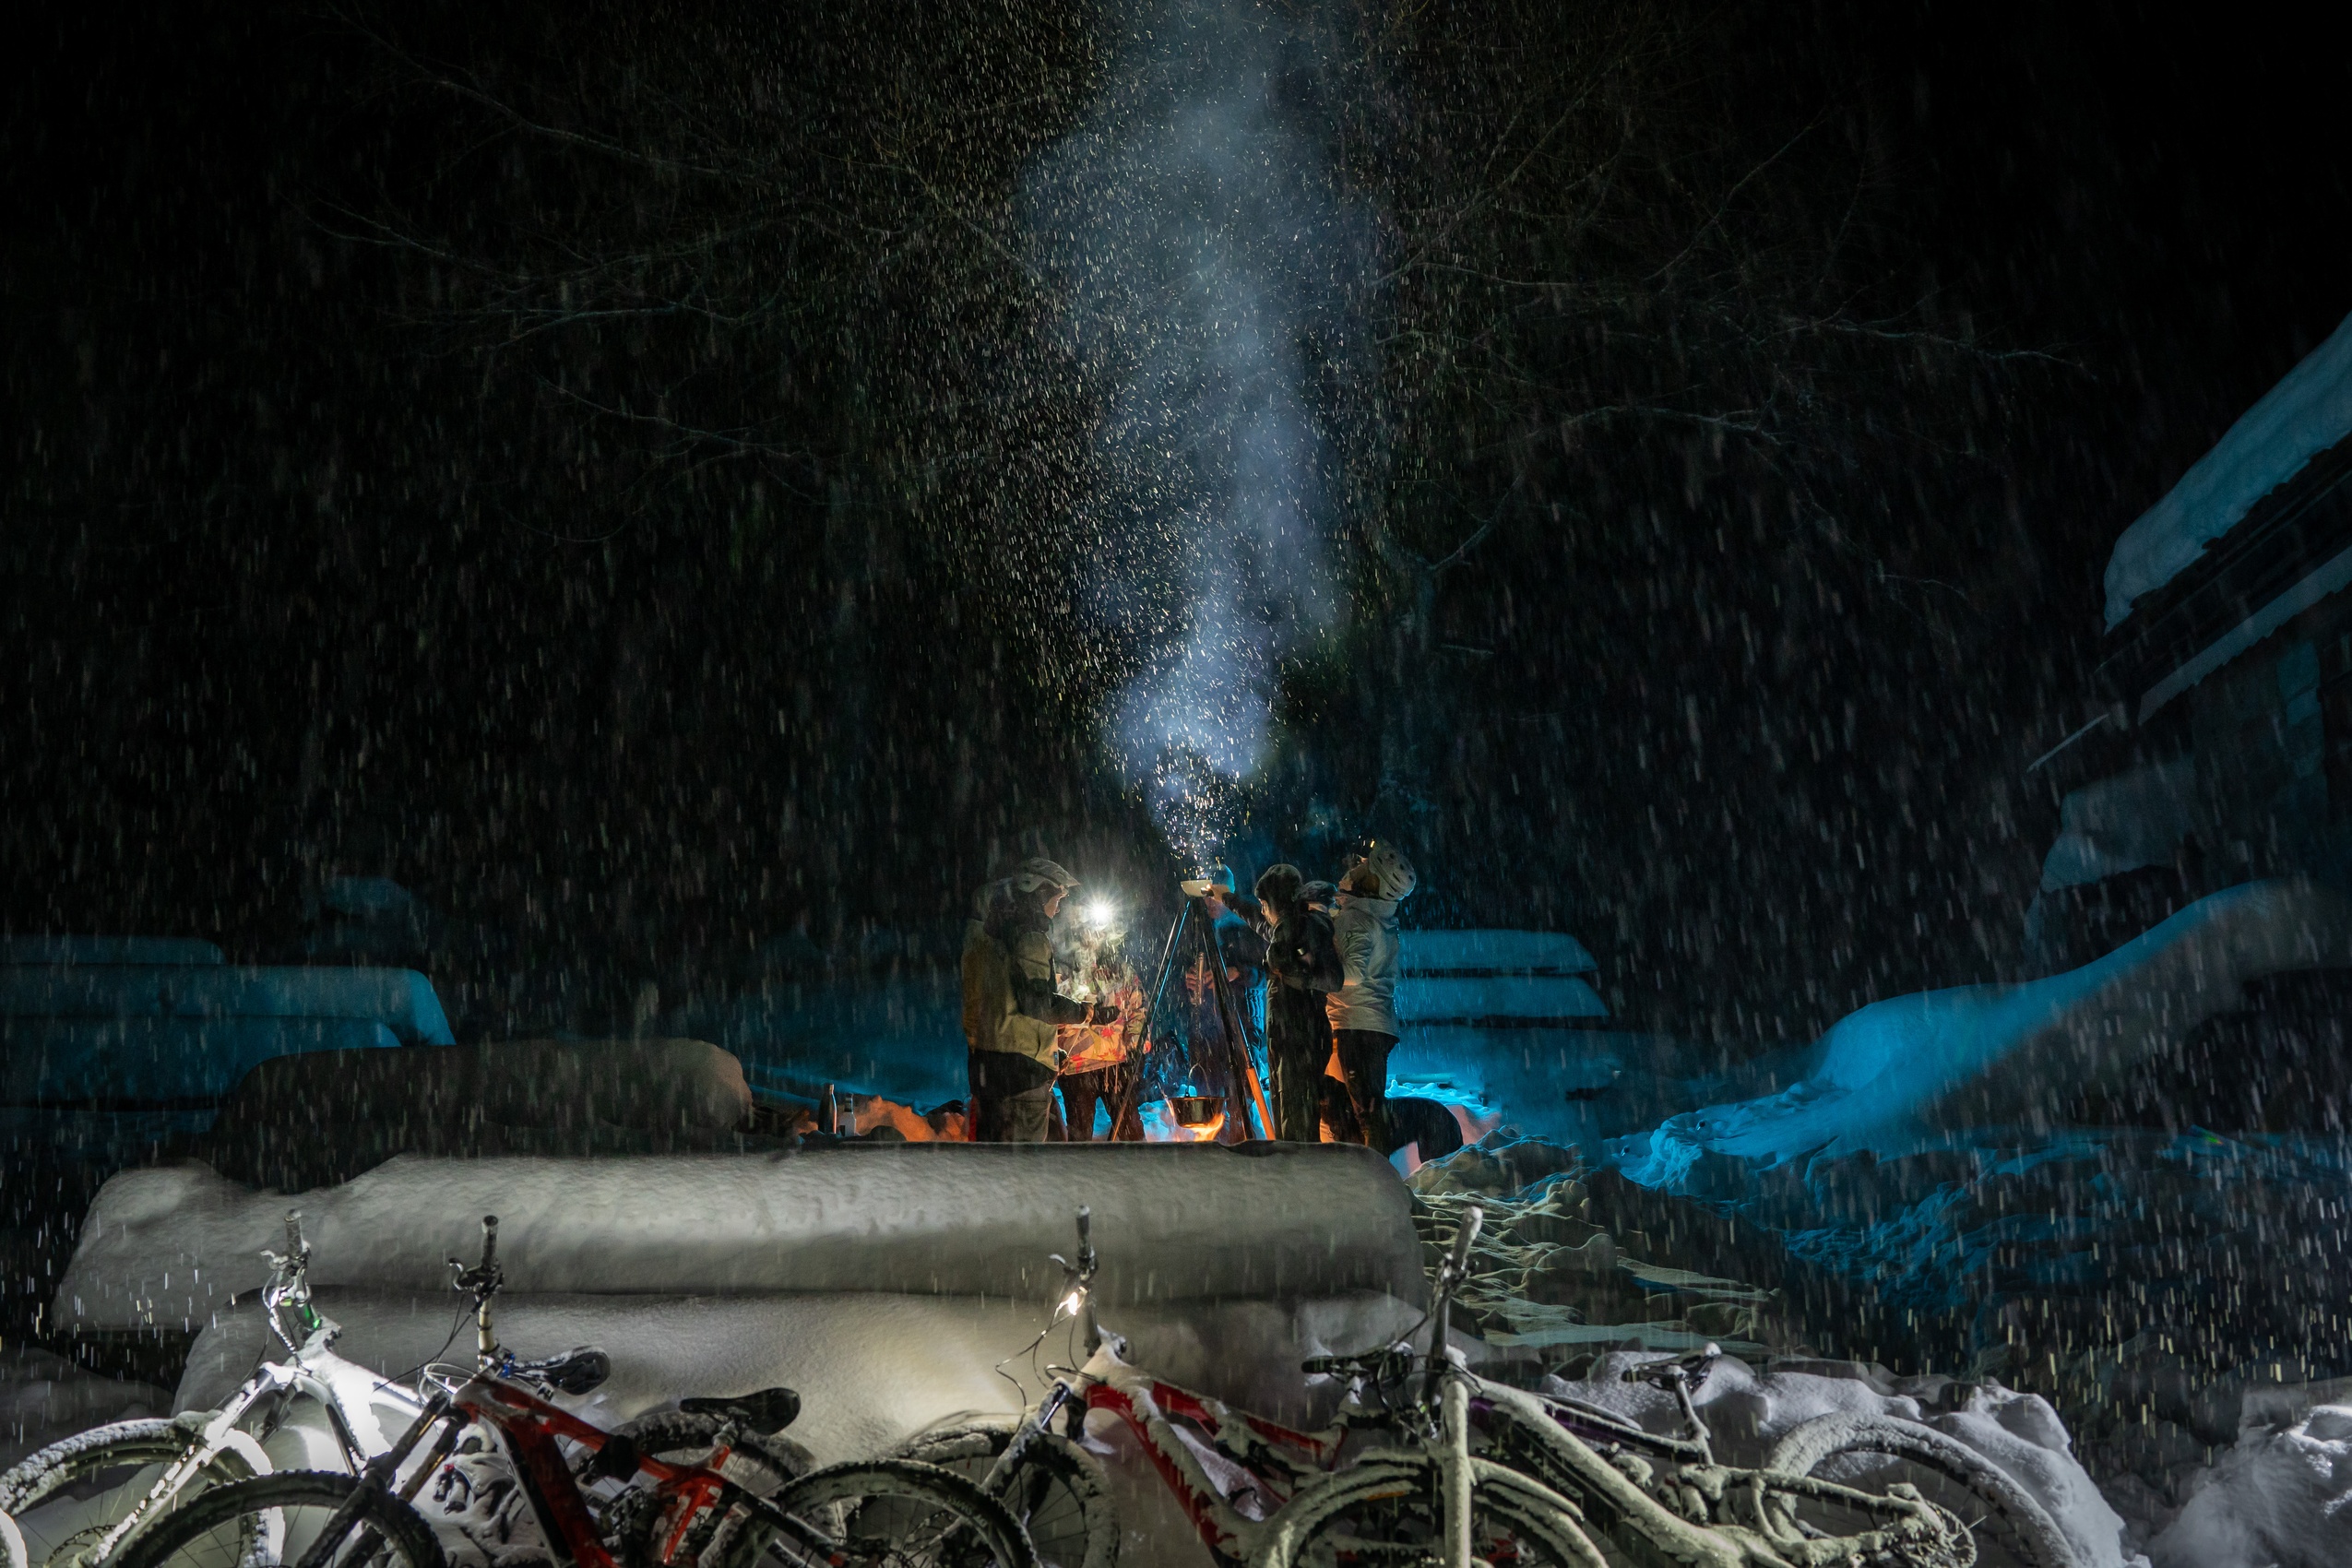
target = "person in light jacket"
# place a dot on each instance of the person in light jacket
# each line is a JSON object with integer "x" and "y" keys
{"x": 1364, "y": 1010}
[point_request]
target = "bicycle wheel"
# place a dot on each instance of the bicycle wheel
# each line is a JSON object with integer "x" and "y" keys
{"x": 2006, "y": 1524}
{"x": 878, "y": 1514}
{"x": 1059, "y": 1494}
{"x": 110, "y": 1471}
{"x": 274, "y": 1520}
{"x": 1385, "y": 1510}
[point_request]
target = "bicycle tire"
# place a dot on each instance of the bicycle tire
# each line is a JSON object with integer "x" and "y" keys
{"x": 1059, "y": 1494}
{"x": 1806, "y": 1447}
{"x": 879, "y": 1514}
{"x": 40, "y": 1477}
{"x": 1399, "y": 1491}
{"x": 183, "y": 1539}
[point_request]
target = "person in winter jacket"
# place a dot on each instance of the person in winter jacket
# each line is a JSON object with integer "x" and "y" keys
{"x": 1302, "y": 967}
{"x": 1240, "y": 933}
{"x": 1363, "y": 1012}
{"x": 1011, "y": 1006}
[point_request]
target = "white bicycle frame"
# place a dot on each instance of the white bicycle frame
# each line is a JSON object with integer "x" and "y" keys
{"x": 286, "y": 1296}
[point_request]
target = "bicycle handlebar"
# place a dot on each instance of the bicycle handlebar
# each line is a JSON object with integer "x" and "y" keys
{"x": 489, "y": 1241}
{"x": 294, "y": 1248}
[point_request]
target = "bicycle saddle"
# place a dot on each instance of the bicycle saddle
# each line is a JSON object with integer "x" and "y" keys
{"x": 579, "y": 1370}
{"x": 768, "y": 1411}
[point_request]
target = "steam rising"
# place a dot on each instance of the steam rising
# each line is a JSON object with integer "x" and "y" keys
{"x": 1211, "y": 275}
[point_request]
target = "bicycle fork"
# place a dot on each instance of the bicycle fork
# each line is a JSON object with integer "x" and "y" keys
{"x": 1454, "y": 1471}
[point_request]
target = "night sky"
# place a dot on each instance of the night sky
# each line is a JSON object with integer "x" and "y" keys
{"x": 341, "y": 539}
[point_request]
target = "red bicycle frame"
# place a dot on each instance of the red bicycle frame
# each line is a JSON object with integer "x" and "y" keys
{"x": 531, "y": 1429}
{"x": 1251, "y": 1456}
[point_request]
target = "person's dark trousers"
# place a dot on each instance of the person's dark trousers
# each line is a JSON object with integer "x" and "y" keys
{"x": 1012, "y": 1098}
{"x": 1363, "y": 1059}
{"x": 1081, "y": 1092}
{"x": 1298, "y": 1064}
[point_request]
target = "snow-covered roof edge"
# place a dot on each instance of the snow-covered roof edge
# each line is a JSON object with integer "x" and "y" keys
{"x": 2309, "y": 412}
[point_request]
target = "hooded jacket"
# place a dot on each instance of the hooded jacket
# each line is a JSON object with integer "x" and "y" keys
{"x": 1010, "y": 1003}
{"x": 1364, "y": 930}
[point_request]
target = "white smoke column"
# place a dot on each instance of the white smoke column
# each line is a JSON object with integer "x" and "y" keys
{"x": 1212, "y": 276}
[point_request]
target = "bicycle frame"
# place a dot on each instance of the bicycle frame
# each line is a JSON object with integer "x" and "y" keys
{"x": 292, "y": 1321}
{"x": 1723, "y": 1516}
{"x": 531, "y": 1429}
{"x": 1240, "y": 1454}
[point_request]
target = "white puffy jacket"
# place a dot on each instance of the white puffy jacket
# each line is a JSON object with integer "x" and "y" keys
{"x": 1364, "y": 930}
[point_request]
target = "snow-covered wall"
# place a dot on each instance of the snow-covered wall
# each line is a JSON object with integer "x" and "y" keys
{"x": 2309, "y": 412}
{"x": 170, "y": 1246}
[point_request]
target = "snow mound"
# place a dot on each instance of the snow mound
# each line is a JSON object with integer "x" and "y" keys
{"x": 44, "y": 1397}
{"x": 2309, "y": 412}
{"x": 2280, "y": 1498}
{"x": 168, "y": 1246}
{"x": 1747, "y": 1411}
{"x": 1989, "y": 1055}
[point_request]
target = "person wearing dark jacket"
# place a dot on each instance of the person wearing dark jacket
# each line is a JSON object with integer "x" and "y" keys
{"x": 1302, "y": 967}
{"x": 1012, "y": 1008}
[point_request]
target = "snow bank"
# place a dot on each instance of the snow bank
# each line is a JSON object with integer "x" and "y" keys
{"x": 169, "y": 1246}
{"x": 2309, "y": 412}
{"x": 44, "y": 1397}
{"x": 2280, "y": 1498}
{"x": 1747, "y": 1411}
{"x": 1992, "y": 1055}
{"x": 872, "y": 1369}
{"x": 2122, "y": 823}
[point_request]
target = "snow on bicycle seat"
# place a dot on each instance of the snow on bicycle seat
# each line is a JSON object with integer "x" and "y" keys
{"x": 769, "y": 1411}
{"x": 578, "y": 1371}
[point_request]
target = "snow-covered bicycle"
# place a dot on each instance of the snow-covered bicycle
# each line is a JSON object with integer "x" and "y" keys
{"x": 1244, "y": 1481}
{"x": 202, "y": 1449}
{"x": 689, "y": 1490}
{"x": 1473, "y": 1471}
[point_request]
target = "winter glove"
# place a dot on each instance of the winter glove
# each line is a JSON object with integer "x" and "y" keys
{"x": 1105, "y": 1012}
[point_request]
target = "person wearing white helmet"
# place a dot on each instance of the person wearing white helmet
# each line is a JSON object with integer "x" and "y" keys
{"x": 1012, "y": 1007}
{"x": 1364, "y": 1010}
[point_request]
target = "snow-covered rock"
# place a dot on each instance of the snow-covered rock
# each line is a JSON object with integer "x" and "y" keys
{"x": 168, "y": 1246}
{"x": 2280, "y": 1498}
{"x": 1747, "y": 1411}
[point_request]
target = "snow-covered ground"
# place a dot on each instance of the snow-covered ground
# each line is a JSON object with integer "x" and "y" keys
{"x": 2280, "y": 1497}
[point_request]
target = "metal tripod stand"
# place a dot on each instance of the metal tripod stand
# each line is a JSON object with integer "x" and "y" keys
{"x": 1246, "y": 1101}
